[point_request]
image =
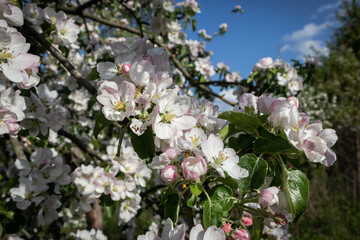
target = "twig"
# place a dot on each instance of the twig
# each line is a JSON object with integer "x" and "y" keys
{"x": 80, "y": 144}
{"x": 216, "y": 83}
{"x": 160, "y": 44}
{"x": 17, "y": 148}
{"x": 58, "y": 55}
{"x": 80, "y": 8}
{"x": 137, "y": 19}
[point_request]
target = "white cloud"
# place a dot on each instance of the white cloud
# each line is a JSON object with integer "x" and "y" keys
{"x": 228, "y": 95}
{"x": 309, "y": 31}
{"x": 304, "y": 41}
{"x": 329, "y": 6}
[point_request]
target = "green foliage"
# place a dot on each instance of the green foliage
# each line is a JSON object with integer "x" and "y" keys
{"x": 100, "y": 123}
{"x": 296, "y": 188}
{"x": 172, "y": 207}
{"x": 257, "y": 172}
{"x": 144, "y": 144}
{"x": 270, "y": 143}
{"x": 242, "y": 121}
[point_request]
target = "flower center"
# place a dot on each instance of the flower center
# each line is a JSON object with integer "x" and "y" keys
{"x": 168, "y": 117}
{"x": 195, "y": 141}
{"x": 221, "y": 158}
{"x": 63, "y": 31}
{"x": 120, "y": 106}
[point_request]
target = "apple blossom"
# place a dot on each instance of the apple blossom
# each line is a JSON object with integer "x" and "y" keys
{"x": 169, "y": 174}
{"x": 240, "y": 234}
{"x": 194, "y": 167}
{"x": 222, "y": 159}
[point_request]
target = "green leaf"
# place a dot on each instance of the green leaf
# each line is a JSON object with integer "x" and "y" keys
{"x": 270, "y": 143}
{"x": 172, "y": 207}
{"x": 192, "y": 200}
{"x": 296, "y": 187}
{"x": 228, "y": 131}
{"x": 93, "y": 74}
{"x": 144, "y": 144}
{"x": 1, "y": 231}
{"x": 100, "y": 123}
{"x": 242, "y": 142}
{"x": 257, "y": 168}
{"x": 229, "y": 181}
{"x": 212, "y": 214}
{"x": 105, "y": 200}
{"x": 6, "y": 213}
{"x": 91, "y": 103}
{"x": 15, "y": 225}
{"x": 242, "y": 121}
{"x": 194, "y": 24}
{"x": 195, "y": 189}
{"x": 222, "y": 195}
{"x": 257, "y": 228}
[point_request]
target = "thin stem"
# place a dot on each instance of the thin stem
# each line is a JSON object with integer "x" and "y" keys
{"x": 121, "y": 137}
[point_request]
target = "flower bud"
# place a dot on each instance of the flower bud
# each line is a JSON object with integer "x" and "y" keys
{"x": 247, "y": 221}
{"x": 169, "y": 174}
{"x": 226, "y": 227}
{"x": 240, "y": 234}
{"x": 269, "y": 197}
{"x": 194, "y": 167}
{"x": 126, "y": 69}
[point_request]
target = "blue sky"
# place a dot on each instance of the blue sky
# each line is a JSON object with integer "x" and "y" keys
{"x": 265, "y": 27}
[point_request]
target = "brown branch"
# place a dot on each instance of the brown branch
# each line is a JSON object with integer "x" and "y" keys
{"x": 160, "y": 44}
{"x": 80, "y": 144}
{"x": 17, "y": 148}
{"x": 216, "y": 83}
{"x": 58, "y": 55}
{"x": 78, "y": 10}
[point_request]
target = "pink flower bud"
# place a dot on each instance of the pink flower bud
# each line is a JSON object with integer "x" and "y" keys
{"x": 269, "y": 197}
{"x": 293, "y": 101}
{"x": 126, "y": 69}
{"x": 226, "y": 227}
{"x": 247, "y": 221}
{"x": 240, "y": 234}
{"x": 194, "y": 167}
{"x": 169, "y": 174}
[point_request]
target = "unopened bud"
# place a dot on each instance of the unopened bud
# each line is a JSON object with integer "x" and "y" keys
{"x": 126, "y": 69}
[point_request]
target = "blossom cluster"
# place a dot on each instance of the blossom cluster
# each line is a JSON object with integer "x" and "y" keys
{"x": 65, "y": 31}
{"x": 123, "y": 181}
{"x": 310, "y": 138}
{"x": 286, "y": 75}
{"x": 45, "y": 169}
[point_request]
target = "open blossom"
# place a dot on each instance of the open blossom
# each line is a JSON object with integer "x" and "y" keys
{"x": 118, "y": 101}
{"x": 194, "y": 167}
{"x": 212, "y": 233}
{"x": 315, "y": 141}
{"x": 222, "y": 159}
{"x": 204, "y": 66}
{"x": 11, "y": 13}
{"x": 169, "y": 232}
{"x": 284, "y": 114}
{"x": 171, "y": 118}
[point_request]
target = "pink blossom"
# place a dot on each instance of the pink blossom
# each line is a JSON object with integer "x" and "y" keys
{"x": 194, "y": 167}
{"x": 247, "y": 221}
{"x": 226, "y": 227}
{"x": 169, "y": 174}
{"x": 240, "y": 234}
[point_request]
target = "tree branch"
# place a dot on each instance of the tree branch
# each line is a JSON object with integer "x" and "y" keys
{"x": 80, "y": 144}
{"x": 160, "y": 44}
{"x": 17, "y": 148}
{"x": 58, "y": 55}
